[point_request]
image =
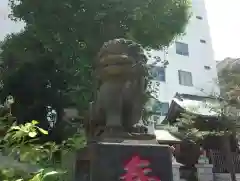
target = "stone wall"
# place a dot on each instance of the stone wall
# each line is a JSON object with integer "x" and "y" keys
{"x": 225, "y": 177}
{"x": 222, "y": 177}
{"x": 204, "y": 173}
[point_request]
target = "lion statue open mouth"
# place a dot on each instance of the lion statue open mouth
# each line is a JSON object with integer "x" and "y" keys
{"x": 120, "y": 57}
{"x": 121, "y": 72}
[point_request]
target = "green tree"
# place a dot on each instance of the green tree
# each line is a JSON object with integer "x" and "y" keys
{"x": 51, "y": 61}
{"x": 23, "y": 158}
{"x": 229, "y": 82}
{"x": 196, "y": 130}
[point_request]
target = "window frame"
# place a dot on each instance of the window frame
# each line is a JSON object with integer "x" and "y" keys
{"x": 199, "y": 17}
{"x": 156, "y": 71}
{"x": 158, "y": 111}
{"x": 184, "y": 46}
{"x": 180, "y": 74}
{"x": 207, "y": 67}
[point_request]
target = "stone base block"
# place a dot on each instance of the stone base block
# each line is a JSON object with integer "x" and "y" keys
{"x": 126, "y": 161}
{"x": 204, "y": 172}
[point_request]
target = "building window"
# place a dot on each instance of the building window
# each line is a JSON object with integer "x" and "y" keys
{"x": 203, "y": 41}
{"x": 207, "y": 67}
{"x": 182, "y": 48}
{"x": 160, "y": 108}
{"x": 185, "y": 78}
{"x": 158, "y": 73}
{"x": 199, "y": 17}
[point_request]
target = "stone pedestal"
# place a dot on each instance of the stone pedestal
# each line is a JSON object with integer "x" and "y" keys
{"x": 204, "y": 172}
{"x": 176, "y": 173}
{"x": 126, "y": 161}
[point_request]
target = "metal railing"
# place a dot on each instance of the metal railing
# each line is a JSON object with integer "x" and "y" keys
{"x": 219, "y": 161}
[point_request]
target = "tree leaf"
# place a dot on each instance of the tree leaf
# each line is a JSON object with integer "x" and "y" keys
{"x": 34, "y": 122}
{"x": 37, "y": 177}
{"x": 14, "y": 128}
{"x": 51, "y": 173}
{"x": 32, "y": 134}
{"x": 43, "y": 131}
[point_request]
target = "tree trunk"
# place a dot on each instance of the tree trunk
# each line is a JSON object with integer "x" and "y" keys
{"x": 226, "y": 148}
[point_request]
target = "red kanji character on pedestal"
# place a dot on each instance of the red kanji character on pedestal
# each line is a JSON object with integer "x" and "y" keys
{"x": 136, "y": 171}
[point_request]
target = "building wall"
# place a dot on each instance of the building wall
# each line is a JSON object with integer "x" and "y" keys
{"x": 200, "y": 55}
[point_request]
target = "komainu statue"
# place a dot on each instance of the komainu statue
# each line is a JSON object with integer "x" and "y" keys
{"x": 121, "y": 74}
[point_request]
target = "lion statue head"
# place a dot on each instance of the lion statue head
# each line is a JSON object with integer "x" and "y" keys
{"x": 120, "y": 58}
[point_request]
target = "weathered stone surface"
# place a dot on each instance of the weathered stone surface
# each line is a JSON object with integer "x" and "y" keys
{"x": 111, "y": 158}
{"x": 204, "y": 172}
{"x": 121, "y": 87}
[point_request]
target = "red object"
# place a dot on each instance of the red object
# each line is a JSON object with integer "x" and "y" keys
{"x": 137, "y": 169}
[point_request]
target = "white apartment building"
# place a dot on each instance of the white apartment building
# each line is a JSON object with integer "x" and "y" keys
{"x": 192, "y": 68}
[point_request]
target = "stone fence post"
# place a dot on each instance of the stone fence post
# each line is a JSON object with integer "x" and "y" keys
{"x": 204, "y": 172}
{"x": 175, "y": 170}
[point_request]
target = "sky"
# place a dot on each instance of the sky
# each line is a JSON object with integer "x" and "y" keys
{"x": 224, "y": 22}
{"x": 7, "y": 26}
{"x": 223, "y": 18}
